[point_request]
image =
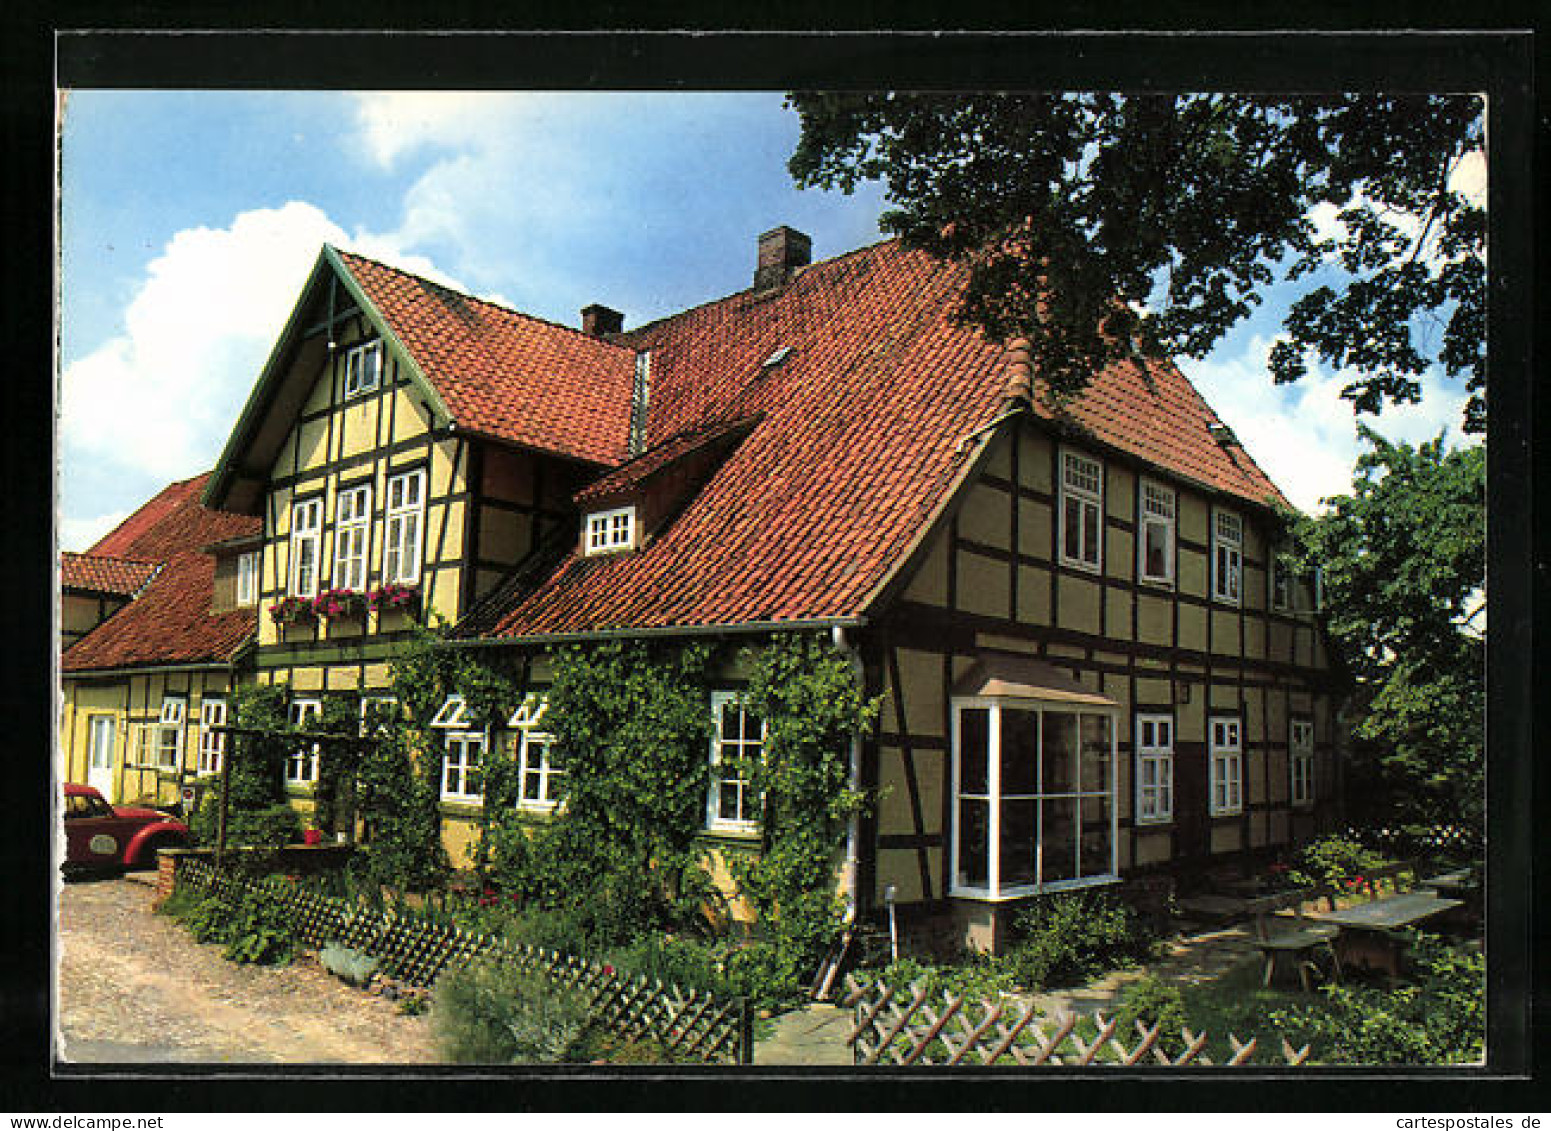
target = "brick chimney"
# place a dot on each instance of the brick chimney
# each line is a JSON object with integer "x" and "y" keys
{"x": 598, "y": 320}
{"x": 781, "y": 251}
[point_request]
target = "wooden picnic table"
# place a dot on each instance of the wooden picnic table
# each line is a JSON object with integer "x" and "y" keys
{"x": 1366, "y": 937}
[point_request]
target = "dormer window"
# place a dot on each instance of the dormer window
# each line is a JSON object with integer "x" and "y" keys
{"x": 363, "y": 368}
{"x": 607, "y": 531}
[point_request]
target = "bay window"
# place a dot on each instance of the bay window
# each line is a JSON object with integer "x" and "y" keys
{"x": 1034, "y": 804}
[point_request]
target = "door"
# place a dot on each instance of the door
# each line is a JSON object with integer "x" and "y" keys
{"x": 99, "y": 774}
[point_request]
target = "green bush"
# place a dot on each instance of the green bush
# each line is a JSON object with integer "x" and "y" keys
{"x": 1067, "y": 938}
{"x": 497, "y": 1013}
{"x": 1439, "y": 1020}
{"x": 1153, "y": 1001}
{"x": 688, "y": 963}
{"x": 1332, "y": 861}
{"x": 598, "y": 1043}
{"x": 978, "y": 977}
{"x": 251, "y": 926}
{"x": 269, "y": 827}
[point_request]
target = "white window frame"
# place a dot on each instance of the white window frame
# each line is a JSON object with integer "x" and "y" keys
{"x": 1227, "y": 557}
{"x": 453, "y": 714}
{"x": 1157, "y": 505}
{"x": 747, "y": 825}
{"x": 248, "y": 578}
{"x": 995, "y": 890}
{"x": 306, "y": 536}
{"x": 1279, "y": 582}
{"x": 96, "y": 725}
{"x": 1225, "y": 761}
{"x": 370, "y": 701}
{"x": 606, "y": 532}
{"x": 404, "y": 528}
{"x": 537, "y": 758}
{"x": 1090, "y": 504}
{"x": 1300, "y": 761}
{"x": 1154, "y": 745}
{"x": 144, "y": 744}
{"x": 457, "y": 770}
{"x": 212, "y": 743}
{"x": 352, "y": 536}
{"x": 363, "y": 368}
{"x": 301, "y": 762}
{"x": 169, "y": 738}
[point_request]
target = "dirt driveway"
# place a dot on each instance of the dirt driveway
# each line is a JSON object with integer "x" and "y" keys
{"x": 134, "y": 987}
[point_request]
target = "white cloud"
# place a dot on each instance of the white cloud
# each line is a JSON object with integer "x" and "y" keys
{"x": 159, "y": 399}
{"x": 80, "y": 533}
{"x": 1304, "y": 436}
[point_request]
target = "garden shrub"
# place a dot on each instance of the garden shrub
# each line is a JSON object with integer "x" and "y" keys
{"x": 688, "y": 963}
{"x": 1152, "y": 1001}
{"x": 251, "y": 926}
{"x": 1069, "y": 937}
{"x": 270, "y": 827}
{"x": 1440, "y": 1019}
{"x": 599, "y": 1043}
{"x": 1332, "y": 861}
{"x": 977, "y": 977}
{"x": 498, "y": 1013}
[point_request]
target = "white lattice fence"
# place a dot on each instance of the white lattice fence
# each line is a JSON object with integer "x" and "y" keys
{"x": 913, "y": 1026}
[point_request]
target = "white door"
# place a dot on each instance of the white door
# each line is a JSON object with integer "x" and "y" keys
{"x": 100, "y": 769}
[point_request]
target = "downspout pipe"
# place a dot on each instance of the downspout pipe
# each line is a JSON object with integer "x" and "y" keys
{"x": 850, "y": 873}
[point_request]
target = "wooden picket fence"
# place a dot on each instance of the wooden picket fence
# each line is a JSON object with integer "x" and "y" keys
{"x": 415, "y": 950}
{"x": 915, "y": 1027}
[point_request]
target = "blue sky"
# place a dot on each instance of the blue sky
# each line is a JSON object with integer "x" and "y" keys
{"x": 189, "y": 221}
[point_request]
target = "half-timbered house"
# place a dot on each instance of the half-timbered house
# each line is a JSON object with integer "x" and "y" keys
{"x": 1089, "y": 661}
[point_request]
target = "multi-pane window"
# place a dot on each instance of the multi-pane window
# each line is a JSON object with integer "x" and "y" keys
{"x": 540, "y": 764}
{"x": 247, "y": 578}
{"x": 1155, "y": 546}
{"x": 376, "y": 711}
{"x": 351, "y": 535}
{"x": 1154, "y": 768}
{"x": 1300, "y": 761}
{"x": 363, "y": 368}
{"x": 611, "y": 530}
{"x": 405, "y": 519}
{"x": 212, "y": 743}
{"x": 1082, "y": 510}
{"x": 463, "y": 777}
{"x": 301, "y": 763}
{"x": 1281, "y": 583}
{"x": 1227, "y": 767}
{"x": 169, "y": 739}
{"x": 1034, "y": 802}
{"x": 1227, "y": 556}
{"x": 738, "y": 741}
{"x": 101, "y": 744}
{"x": 306, "y": 523}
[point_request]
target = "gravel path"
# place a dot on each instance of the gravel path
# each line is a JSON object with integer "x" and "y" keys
{"x": 134, "y": 987}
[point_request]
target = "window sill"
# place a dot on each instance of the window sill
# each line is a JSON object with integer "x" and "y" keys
{"x": 1085, "y": 567}
{"x": 300, "y": 789}
{"x": 730, "y": 839}
{"x": 1155, "y": 822}
{"x": 1225, "y": 814}
{"x": 1156, "y": 582}
{"x": 462, "y": 806}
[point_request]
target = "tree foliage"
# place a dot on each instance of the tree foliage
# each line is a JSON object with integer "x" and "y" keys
{"x": 1403, "y": 565}
{"x": 1096, "y": 225}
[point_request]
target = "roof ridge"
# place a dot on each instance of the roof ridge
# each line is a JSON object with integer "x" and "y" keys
{"x": 801, "y": 273}
{"x": 511, "y": 310}
{"x": 109, "y": 557}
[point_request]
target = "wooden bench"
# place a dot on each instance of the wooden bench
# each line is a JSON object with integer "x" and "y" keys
{"x": 1297, "y": 943}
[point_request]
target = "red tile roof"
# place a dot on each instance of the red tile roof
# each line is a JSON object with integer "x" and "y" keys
{"x": 97, "y": 574}
{"x": 170, "y": 622}
{"x": 507, "y": 375}
{"x": 637, "y": 471}
{"x": 859, "y": 442}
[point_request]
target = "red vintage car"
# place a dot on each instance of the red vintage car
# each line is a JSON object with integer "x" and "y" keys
{"x": 98, "y": 835}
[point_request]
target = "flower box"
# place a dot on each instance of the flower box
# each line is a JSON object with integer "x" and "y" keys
{"x": 340, "y": 604}
{"x": 293, "y": 610}
{"x": 394, "y": 597}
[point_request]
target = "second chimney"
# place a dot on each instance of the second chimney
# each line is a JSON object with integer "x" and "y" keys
{"x": 598, "y": 320}
{"x": 781, "y": 251}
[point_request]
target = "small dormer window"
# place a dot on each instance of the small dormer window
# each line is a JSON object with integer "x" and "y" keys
{"x": 363, "y": 368}
{"x": 610, "y": 530}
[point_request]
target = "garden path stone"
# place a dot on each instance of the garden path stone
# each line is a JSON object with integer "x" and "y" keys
{"x": 814, "y": 1034}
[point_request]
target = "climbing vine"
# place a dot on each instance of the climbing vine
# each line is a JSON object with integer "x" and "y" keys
{"x": 813, "y": 707}
{"x": 257, "y": 812}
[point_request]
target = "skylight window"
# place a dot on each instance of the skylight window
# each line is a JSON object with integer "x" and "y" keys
{"x": 777, "y": 358}
{"x": 607, "y": 531}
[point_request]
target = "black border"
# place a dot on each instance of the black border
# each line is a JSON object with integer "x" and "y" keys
{"x": 1501, "y": 63}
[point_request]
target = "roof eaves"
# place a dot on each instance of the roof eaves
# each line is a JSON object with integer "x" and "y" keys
{"x": 734, "y": 628}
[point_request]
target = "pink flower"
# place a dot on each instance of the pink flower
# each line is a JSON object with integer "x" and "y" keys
{"x": 608, "y": 969}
